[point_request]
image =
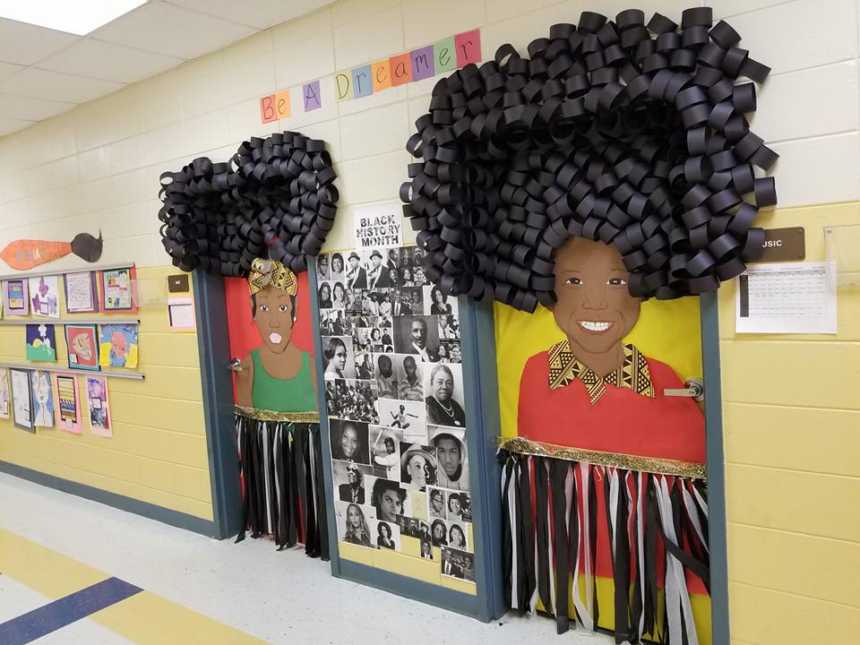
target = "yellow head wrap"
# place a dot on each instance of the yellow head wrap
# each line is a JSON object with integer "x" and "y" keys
{"x": 271, "y": 272}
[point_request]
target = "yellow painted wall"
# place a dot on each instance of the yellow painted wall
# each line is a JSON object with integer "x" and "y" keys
{"x": 158, "y": 450}
{"x": 791, "y": 406}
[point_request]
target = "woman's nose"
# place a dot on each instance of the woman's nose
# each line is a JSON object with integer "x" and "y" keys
{"x": 595, "y": 297}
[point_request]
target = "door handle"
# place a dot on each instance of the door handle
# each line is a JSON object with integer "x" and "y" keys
{"x": 695, "y": 389}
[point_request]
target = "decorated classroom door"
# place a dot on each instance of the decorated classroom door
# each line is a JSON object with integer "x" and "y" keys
{"x": 599, "y": 445}
{"x": 276, "y": 409}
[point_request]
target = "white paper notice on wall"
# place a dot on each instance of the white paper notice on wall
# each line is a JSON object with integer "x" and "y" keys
{"x": 787, "y": 298}
{"x": 378, "y": 225}
{"x": 180, "y": 309}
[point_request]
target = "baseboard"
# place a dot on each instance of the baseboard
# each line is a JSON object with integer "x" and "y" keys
{"x": 129, "y": 504}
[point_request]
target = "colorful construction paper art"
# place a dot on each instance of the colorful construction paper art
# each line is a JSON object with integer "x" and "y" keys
{"x": 15, "y": 297}
{"x": 82, "y": 347}
{"x": 118, "y": 290}
{"x": 45, "y": 296}
{"x": 118, "y": 346}
{"x": 41, "y": 343}
{"x": 67, "y": 403}
{"x": 43, "y": 399}
{"x": 97, "y": 402}
{"x": 21, "y": 404}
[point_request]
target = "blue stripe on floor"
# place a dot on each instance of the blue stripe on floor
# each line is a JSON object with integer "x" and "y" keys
{"x": 44, "y": 620}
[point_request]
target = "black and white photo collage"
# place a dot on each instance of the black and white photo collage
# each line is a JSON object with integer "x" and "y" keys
{"x": 394, "y": 395}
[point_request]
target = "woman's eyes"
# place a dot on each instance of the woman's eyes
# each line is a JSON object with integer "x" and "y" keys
{"x": 264, "y": 307}
{"x": 614, "y": 282}
{"x": 283, "y": 308}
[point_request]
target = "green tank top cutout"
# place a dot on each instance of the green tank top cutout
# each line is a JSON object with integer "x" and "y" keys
{"x": 283, "y": 395}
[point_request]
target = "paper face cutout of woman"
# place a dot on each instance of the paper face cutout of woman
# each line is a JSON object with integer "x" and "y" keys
{"x": 592, "y": 391}
{"x": 276, "y": 376}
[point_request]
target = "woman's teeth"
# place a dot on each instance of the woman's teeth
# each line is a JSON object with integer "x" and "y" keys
{"x": 592, "y": 325}
{"x": 275, "y": 337}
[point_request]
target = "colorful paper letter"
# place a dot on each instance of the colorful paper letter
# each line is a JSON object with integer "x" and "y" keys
{"x": 401, "y": 69}
{"x": 343, "y": 86}
{"x": 468, "y": 45}
{"x": 282, "y": 104}
{"x": 267, "y": 109}
{"x": 362, "y": 81}
{"x": 381, "y": 71}
{"x": 311, "y": 94}
{"x": 423, "y": 65}
{"x": 444, "y": 55}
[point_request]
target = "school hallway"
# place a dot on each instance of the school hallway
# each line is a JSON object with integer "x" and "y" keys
{"x": 147, "y": 582}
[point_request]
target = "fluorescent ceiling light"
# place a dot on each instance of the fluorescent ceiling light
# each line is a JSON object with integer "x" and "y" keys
{"x": 79, "y": 18}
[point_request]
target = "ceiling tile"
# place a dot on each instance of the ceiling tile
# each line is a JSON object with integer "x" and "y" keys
{"x": 261, "y": 14}
{"x": 95, "y": 59}
{"x": 19, "y": 107}
{"x": 26, "y": 44}
{"x": 53, "y": 86}
{"x": 8, "y": 126}
{"x": 172, "y": 31}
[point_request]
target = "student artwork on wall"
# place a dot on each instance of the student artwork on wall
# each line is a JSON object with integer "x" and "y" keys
{"x": 22, "y": 404}
{"x": 395, "y": 398}
{"x": 82, "y": 347}
{"x": 41, "y": 343}
{"x": 5, "y": 396}
{"x": 43, "y": 399}
{"x": 98, "y": 406}
{"x": 45, "y": 296}
{"x": 67, "y": 403}
{"x": 81, "y": 292}
{"x": 16, "y": 299}
{"x": 118, "y": 346}
{"x": 119, "y": 289}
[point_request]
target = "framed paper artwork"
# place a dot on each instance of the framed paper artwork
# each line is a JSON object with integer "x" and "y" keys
{"x": 82, "y": 347}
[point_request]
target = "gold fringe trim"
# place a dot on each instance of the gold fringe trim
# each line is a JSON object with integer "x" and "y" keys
{"x": 654, "y": 465}
{"x": 271, "y": 415}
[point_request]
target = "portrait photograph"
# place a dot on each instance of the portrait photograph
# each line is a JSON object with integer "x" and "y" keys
{"x": 417, "y": 335}
{"x": 356, "y": 524}
{"x": 443, "y": 390}
{"x": 389, "y": 499}
{"x": 338, "y": 357}
{"x": 436, "y": 508}
{"x": 349, "y": 441}
{"x": 437, "y": 303}
{"x": 450, "y": 445}
{"x": 417, "y": 466}
{"x": 387, "y": 535}
{"x": 457, "y": 535}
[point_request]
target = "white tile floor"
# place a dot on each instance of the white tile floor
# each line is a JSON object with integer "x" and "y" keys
{"x": 280, "y": 597}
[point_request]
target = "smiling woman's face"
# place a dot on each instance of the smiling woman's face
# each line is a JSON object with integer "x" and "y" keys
{"x": 594, "y": 309}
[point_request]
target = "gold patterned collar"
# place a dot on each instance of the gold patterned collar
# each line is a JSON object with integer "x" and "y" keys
{"x": 564, "y": 368}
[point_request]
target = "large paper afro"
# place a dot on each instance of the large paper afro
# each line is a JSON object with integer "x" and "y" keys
{"x": 629, "y": 133}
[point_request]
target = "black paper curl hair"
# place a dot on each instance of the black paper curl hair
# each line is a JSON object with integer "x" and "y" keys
{"x": 622, "y": 132}
{"x": 275, "y": 198}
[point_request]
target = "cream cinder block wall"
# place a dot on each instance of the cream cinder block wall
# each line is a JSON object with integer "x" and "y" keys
{"x": 790, "y": 402}
{"x": 791, "y": 429}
